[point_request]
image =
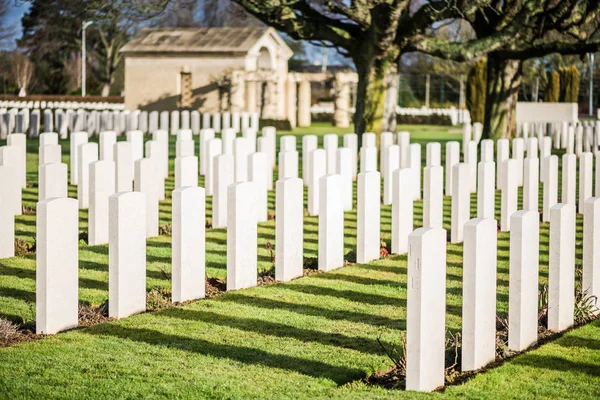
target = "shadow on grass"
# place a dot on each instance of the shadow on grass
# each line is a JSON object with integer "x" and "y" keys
{"x": 264, "y": 327}
{"x": 242, "y": 354}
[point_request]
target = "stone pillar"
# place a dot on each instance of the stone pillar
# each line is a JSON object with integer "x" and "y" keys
{"x": 188, "y": 245}
{"x": 523, "y": 280}
{"x": 331, "y": 224}
{"x": 127, "y": 254}
{"x": 288, "y": 228}
{"x": 426, "y": 310}
{"x": 402, "y": 209}
{"x": 479, "y": 293}
{"x": 452, "y": 158}
{"x": 238, "y": 89}
{"x": 57, "y": 264}
{"x": 341, "y": 101}
{"x": 290, "y": 100}
{"x": 241, "y": 236}
{"x": 304, "y": 104}
{"x": 561, "y": 269}
{"x": 433, "y": 196}
{"x": 251, "y": 96}
{"x": 368, "y": 241}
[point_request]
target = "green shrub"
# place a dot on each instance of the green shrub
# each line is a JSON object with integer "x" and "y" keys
{"x": 279, "y": 124}
{"x": 552, "y": 94}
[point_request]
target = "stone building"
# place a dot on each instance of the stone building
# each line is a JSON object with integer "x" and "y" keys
{"x": 212, "y": 70}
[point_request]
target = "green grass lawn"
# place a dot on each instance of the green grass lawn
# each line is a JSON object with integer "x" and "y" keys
{"x": 312, "y": 337}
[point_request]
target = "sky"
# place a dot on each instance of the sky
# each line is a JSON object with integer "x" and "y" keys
{"x": 13, "y": 18}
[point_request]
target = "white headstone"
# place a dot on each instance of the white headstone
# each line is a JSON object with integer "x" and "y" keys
{"x": 57, "y": 265}
{"x": 523, "y": 280}
{"x": 309, "y": 143}
{"x": 550, "y": 194}
{"x": 88, "y": 153}
{"x": 223, "y": 173}
{"x": 102, "y": 186}
{"x": 77, "y": 138}
{"x": 318, "y": 169}
{"x": 586, "y": 171}
{"x": 186, "y": 171}
{"x": 241, "y": 236}
{"x": 426, "y": 310}
{"x": 351, "y": 142}
{"x": 19, "y": 140}
{"x": 123, "y": 166}
{"x": 452, "y": 158}
{"x": 461, "y": 201}
{"x": 561, "y": 268}
{"x": 433, "y": 157}
{"x": 392, "y": 161}
{"x": 402, "y": 209}
{"x": 471, "y": 160}
{"x": 288, "y": 228}
{"x": 213, "y": 148}
{"x": 288, "y": 164}
{"x": 205, "y": 135}
{"x": 52, "y": 181}
{"x": 136, "y": 138}
{"x": 531, "y": 184}
{"x": 510, "y": 194}
{"x": 331, "y": 223}
{"x": 433, "y": 196}
{"x": 330, "y": 144}
{"x": 344, "y": 169}
{"x": 403, "y": 143}
{"x": 145, "y": 182}
{"x": 479, "y": 293}
{"x": 258, "y": 163}
{"x": 188, "y": 246}
{"x": 127, "y": 254}
{"x": 184, "y": 148}
{"x": 107, "y": 145}
{"x": 368, "y": 159}
{"x": 502, "y": 154}
{"x": 368, "y": 241}
{"x": 50, "y": 154}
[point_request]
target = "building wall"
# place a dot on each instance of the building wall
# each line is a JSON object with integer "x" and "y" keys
{"x": 152, "y": 82}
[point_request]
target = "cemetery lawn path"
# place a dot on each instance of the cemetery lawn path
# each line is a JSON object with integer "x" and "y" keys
{"x": 314, "y": 337}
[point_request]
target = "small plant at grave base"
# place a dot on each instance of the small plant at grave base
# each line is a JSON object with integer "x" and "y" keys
{"x": 83, "y": 236}
{"x": 208, "y": 224}
{"x": 310, "y": 265}
{"x": 350, "y": 257}
{"x": 28, "y": 210}
{"x": 266, "y": 277}
{"x": 271, "y": 250}
{"x": 215, "y": 287}
{"x": 585, "y": 307}
{"x": 90, "y": 315}
{"x": 395, "y": 377}
{"x": 165, "y": 230}
{"x": 502, "y": 350}
{"x": 158, "y": 299}
{"x": 271, "y": 215}
{"x": 385, "y": 249}
{"x": 22, "y": 248}
{"x": 306, "y": 214}
{"x": 9, "y": 332}
{"x": 165, "y": 272}
{"x": 543, "y": 307}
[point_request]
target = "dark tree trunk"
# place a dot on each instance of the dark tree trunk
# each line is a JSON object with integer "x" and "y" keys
{"x": 370, "y": 97}
{"x": 503, "y": 82}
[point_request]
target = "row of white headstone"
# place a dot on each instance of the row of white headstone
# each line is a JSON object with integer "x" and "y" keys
{"x": 89, "y": 105}
{"x": 95, "y": 121}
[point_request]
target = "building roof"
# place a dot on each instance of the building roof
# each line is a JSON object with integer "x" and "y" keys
{"x": 195, "y": 40}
